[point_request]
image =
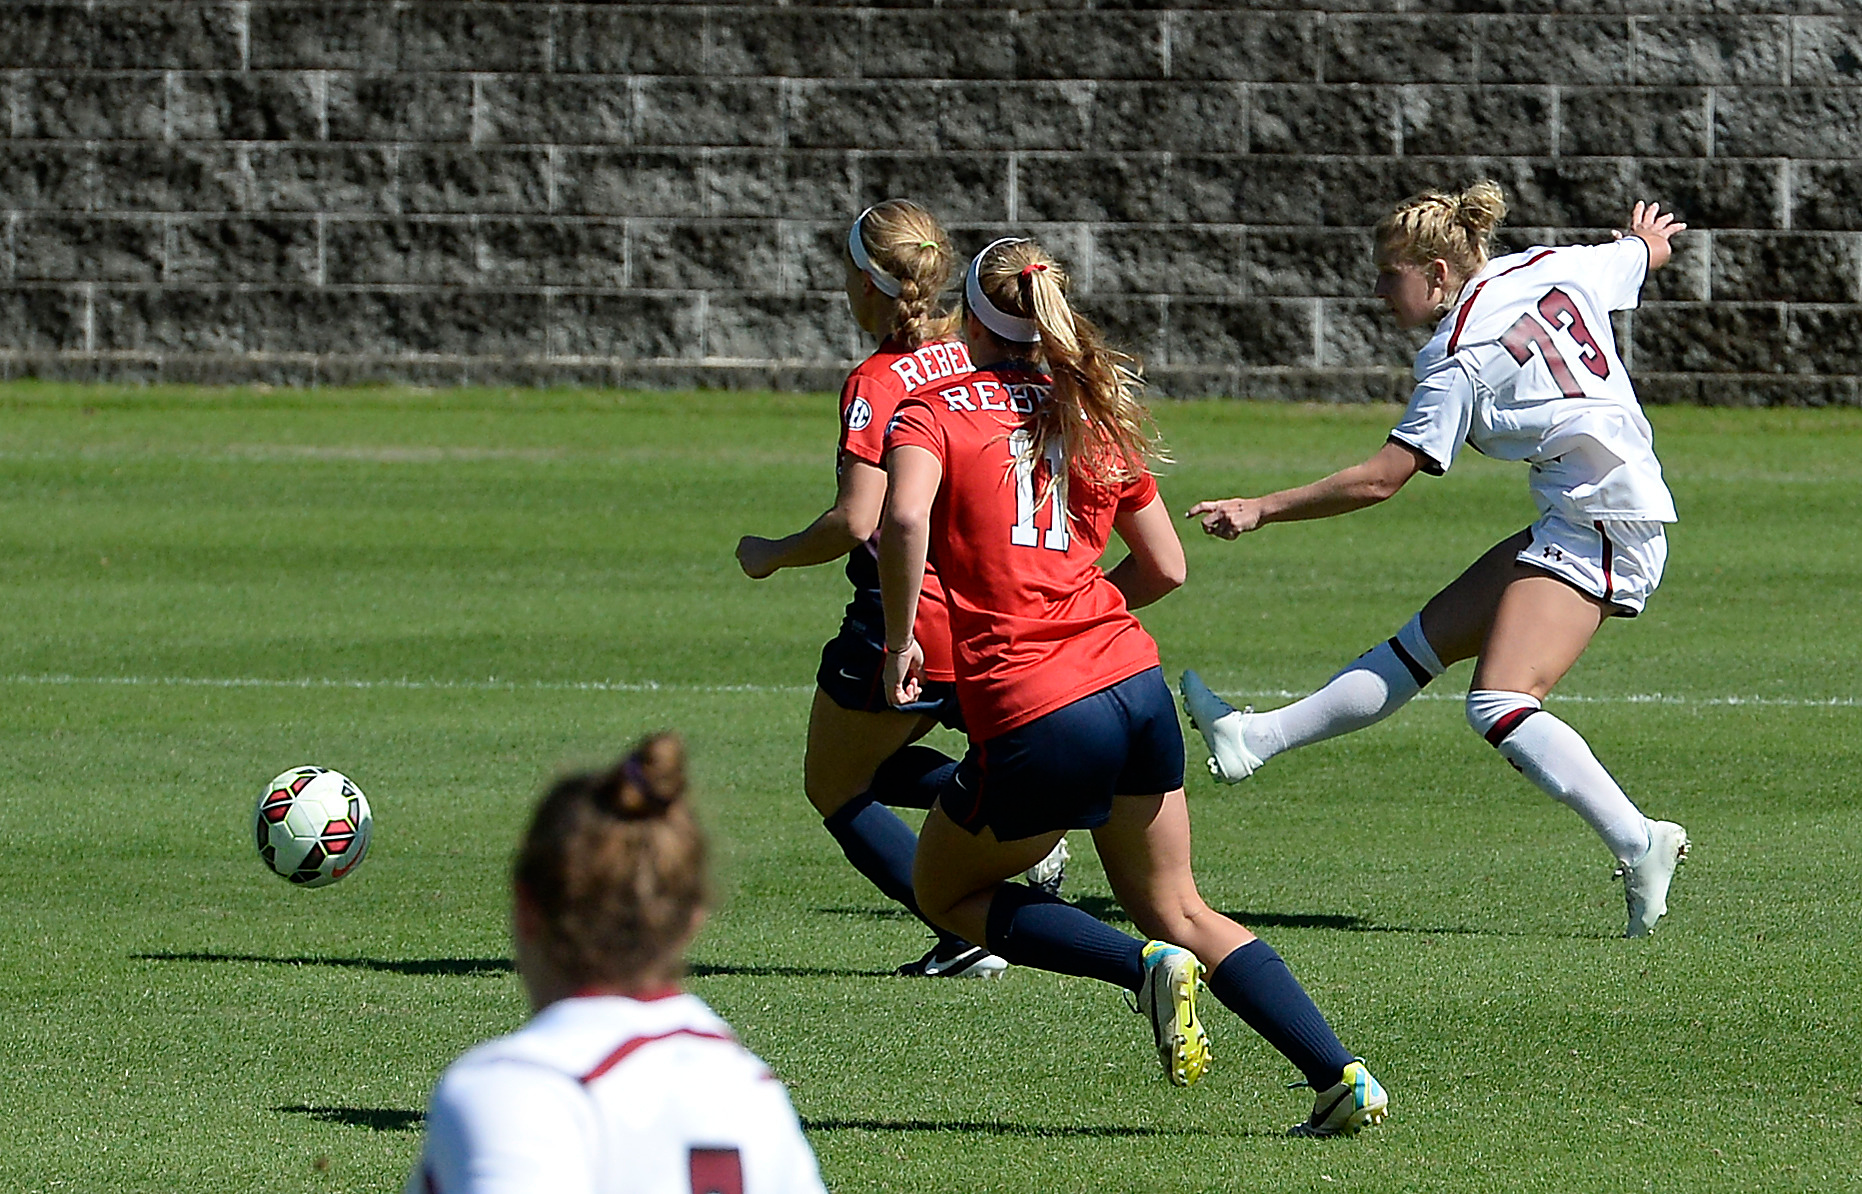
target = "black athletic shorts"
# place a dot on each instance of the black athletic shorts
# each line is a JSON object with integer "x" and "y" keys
{"x": 853, "y": 674}
{"x": 1061, "y": 770}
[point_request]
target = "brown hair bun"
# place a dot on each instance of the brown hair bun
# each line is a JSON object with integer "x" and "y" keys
{"x": 614, "y": 864}
{"x": 647, "y": 782}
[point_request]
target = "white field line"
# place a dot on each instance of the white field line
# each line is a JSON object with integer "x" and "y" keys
{"x": 493, "y": 684}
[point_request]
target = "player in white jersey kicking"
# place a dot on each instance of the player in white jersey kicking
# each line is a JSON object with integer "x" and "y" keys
{"x": 1522, "y": 366}
{"x": 619, "y": 1084}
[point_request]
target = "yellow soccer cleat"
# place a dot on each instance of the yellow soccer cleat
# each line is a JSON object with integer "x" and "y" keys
{"x": 1168, "y": 996}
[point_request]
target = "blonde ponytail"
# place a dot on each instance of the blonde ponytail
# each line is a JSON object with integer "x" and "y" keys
{"x": 1093, "y": 409}
{"x": 1456, "y": 227}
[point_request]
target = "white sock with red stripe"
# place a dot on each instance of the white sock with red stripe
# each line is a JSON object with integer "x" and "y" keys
{"x": 1555, "y": 757}
{"x": 1371, "y": 688}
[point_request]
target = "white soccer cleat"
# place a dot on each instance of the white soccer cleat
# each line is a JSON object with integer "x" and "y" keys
{"x": 953, "y": 957}
{"x": 1221, "y": 725}
{"x": 1645, "y": 882}
{"x": 1357, "y": 1101}
{"x": 1050, "y": 872}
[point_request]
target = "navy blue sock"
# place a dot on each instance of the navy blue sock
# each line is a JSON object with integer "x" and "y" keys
{"x": 1031, "y": 928}
{"x": 1255, "y": 984}
{"x": 911, "y": 777}
{"x": 879, "y": 845}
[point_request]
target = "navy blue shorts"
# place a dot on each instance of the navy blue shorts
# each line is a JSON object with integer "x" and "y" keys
{"x": 853, "y": 674}
{"x": 1061, "y": 770}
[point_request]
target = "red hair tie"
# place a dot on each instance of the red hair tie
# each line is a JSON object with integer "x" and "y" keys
{"x": 1035, "y": 268}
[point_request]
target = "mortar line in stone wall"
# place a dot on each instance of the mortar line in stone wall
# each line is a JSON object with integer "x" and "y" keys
{"x": 1709, "y": 103}
{"x": 1833, "y": 306}
{"x": 1787, "y": 184}
{"x": 276, "y": 215}
{"x": 242, "y": 27}
{"x": 1160, "y": 155}
{"x": 876, "y": 83}
{"x": 320, "y": 101}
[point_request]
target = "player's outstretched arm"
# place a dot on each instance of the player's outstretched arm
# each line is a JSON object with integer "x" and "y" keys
{"x": 845, "y": 525}
{"x": 1656, "y": 228}
{"x": 1346, "y": 490}
{"x": 1155, "y": 567}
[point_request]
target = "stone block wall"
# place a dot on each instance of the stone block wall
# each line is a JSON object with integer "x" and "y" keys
{"x": 447, "y": 191}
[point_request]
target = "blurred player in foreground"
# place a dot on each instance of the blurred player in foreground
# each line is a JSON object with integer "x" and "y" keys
{"x": 898, "y": 261}
{"x": 1522, "y": 366}
{"x": 1014, "y": 477}
{"x": 619, "y": 1083}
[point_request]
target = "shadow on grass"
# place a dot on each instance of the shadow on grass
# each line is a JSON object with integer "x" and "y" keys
{"x": 472, "y": 967}
{"x": 708, "y": 970}
{"x": 1109, "y": 911}
{"x": 894, "y": 913}
{"x": 375, "y": 1119}
{"x": 469, "y": 967}
{"x": 993, "y": 1128}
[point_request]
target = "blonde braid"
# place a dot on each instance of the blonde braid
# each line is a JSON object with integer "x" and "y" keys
{"x": 906, "y": 241}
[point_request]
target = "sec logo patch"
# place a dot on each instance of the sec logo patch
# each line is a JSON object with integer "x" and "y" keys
{"x": 859, "y": 414}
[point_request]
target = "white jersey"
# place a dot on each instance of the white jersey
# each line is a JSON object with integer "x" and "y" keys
{"x": 1524, "y": 367}
{"x": 607, "y": 1095}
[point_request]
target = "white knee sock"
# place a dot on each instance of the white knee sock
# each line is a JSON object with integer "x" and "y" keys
{"x": 1554, "y": 756}
{"x": 1371, "y": 688}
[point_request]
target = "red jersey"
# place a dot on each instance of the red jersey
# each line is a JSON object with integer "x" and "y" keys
{"x": 1035, "y": 624}
{"x": 871, "y": 394}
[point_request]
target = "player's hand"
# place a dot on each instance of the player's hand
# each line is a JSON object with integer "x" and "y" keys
{"x": 1230, "y": 518}
{"x": 756, "y": 556}
{"x": 1656, "y": 228}
{"x": 904, "y": 674}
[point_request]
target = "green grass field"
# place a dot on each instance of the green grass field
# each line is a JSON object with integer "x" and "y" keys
{"x": 450, "y": 596}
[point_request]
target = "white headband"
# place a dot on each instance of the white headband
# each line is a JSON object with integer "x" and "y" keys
{"x": 1009, "y": 327}
{"x": 856, "y": 248}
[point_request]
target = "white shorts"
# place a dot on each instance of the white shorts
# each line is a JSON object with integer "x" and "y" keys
{"x": 1617, "y": 562}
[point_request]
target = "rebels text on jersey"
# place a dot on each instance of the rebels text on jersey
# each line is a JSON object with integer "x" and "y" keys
{"x": 1035, "y": 624}
{"x": 609, "y": 1095}
{"x": 871, "y": 394}
{"x": 1525, "y": 367}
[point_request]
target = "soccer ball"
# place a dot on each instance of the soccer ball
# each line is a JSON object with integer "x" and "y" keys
{"x": 313, "y": 826}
